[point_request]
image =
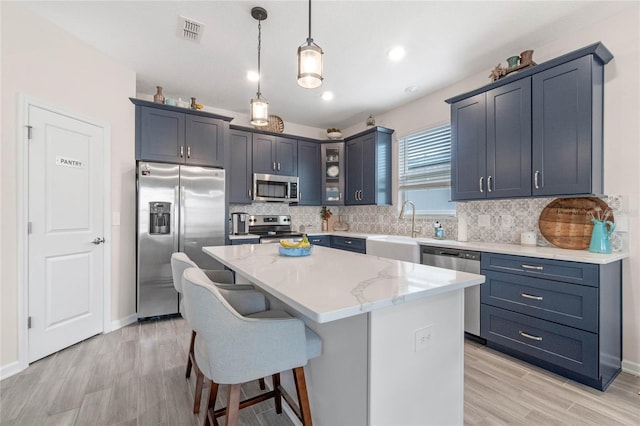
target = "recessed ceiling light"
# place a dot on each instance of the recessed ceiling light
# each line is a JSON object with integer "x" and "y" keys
{"x": 396, "y": 53}
{"x": 327, "y": 96}
{"x": 411, "y": 89}
{"x": 253, "y": 76}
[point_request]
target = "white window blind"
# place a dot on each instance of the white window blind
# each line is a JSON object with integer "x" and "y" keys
{"x": 425, "y": 159}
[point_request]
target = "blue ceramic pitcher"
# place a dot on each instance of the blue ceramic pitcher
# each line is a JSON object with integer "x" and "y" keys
{"x": 600, "y": 236}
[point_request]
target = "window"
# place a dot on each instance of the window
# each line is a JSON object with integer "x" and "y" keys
{"x": 425, "y": 171}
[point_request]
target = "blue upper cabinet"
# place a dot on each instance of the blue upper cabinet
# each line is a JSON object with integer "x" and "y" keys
{"x": 368, "y": 159}
{"x": 567, "y": 128}
{"x": 309, "y": 173}
{"x": 176, "y": 135}
{"x": 275, "y": 155}
{"x": 239, "y": 175}
{"x": 537, "y": 132}
{"x": 468, "y": 148}
{"x": 509, "y": 140}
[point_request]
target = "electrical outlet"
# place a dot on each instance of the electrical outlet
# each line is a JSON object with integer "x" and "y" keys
{"x": 423, "y": 338}
{"x": 507, "y": 221}
{"x": 484, "y": 220}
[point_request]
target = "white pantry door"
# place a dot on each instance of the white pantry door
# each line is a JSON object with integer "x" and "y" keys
{"x": 66, "y": 217}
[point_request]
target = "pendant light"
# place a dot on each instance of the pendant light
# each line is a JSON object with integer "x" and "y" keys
{"x": 310, "y": 62}
{"x": 259, "y": 106}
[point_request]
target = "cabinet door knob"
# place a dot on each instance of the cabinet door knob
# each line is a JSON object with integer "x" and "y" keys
{"x": 536, "y": 175}
{"x": 481, "y": 183}
{"x": 489, "y": 179}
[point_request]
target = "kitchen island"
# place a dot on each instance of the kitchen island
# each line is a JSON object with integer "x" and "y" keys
{"x": 392, "y": 331}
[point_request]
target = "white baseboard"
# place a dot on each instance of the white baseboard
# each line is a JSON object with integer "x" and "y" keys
{"x": 124, "y": 322}
{"x": 631, "y": 367}
{"x": 10, "y": 369}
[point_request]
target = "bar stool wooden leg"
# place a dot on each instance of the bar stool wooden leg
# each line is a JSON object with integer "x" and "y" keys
{"x": 190, "y": 354}
{"x": 197, "y": 394}
{"x": 233, "y": 405}
{"x": 303, "y": 397}
{"x": 262, "y": 385}
{"x": 209, "y": 417}
{"x": 277, "y": 396}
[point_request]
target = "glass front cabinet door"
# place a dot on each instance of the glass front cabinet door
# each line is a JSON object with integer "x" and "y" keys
{"x": 333, "y": 173}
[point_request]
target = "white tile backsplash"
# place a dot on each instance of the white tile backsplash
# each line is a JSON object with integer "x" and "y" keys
{"x": 507, "y": 219}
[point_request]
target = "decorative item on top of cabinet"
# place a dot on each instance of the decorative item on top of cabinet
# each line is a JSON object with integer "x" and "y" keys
{"x": 274, "y": 124}
{"x": 333, "y": 133}
{"x": 371, "y": 121}
{"x": 525, "y": 60}
{"x": 158, "y": 97}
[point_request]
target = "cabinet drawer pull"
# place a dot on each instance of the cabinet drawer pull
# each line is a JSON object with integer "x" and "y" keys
{"x": 530, "y": 336}
{"x": 537, "y": 268}
{"x": 315, "y": 241}
{"x": 181, "y": 151}
{"x": 531, "y": 296}
{"x": 347, "y": 242}
{"x": 489, "y": 179}
{"x": 481, "y": 183}
{"x": 536, "y": 175}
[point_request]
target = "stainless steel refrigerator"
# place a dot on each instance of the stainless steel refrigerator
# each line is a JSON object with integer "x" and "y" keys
{"x": 180, "y": 208}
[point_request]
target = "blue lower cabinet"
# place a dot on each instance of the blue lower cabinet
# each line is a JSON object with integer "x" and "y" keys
{"x": 245, "y": 241}
{"x": 357, "y": 245}
{"x": 564, "y": 347}
{"x": 562, "y": 316}
{"x": 320, "y": 240}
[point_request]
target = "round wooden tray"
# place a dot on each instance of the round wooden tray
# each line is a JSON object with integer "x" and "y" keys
{"x": 566, "y": 222}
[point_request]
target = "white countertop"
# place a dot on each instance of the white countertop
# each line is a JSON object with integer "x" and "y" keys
{"x": 550, "y": 252}
{"x": 333, "y": 284}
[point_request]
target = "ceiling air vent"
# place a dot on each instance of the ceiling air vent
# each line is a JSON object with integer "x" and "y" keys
{"x": 189, "y": 29}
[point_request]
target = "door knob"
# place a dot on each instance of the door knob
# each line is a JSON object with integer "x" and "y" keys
{"x": 98, "y": 241}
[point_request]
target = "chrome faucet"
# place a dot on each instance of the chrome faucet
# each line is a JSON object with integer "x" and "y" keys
{"x": 414, "y": 231}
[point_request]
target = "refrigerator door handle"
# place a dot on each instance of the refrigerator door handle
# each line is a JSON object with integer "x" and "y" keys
{"x": 181, "y": 217}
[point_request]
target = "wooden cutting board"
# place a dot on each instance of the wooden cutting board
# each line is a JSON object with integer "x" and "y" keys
{"x": 566, "y": 222}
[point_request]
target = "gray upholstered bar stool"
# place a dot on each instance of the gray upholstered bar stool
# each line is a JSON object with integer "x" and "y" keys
{"x": 243, "y": 298}
{"x": 233, "y": 349}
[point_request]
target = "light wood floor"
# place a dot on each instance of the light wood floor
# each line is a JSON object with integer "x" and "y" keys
{"x": 135, "y": 376}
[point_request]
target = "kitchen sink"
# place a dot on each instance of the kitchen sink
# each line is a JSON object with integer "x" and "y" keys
{"x": 395, "y": 247}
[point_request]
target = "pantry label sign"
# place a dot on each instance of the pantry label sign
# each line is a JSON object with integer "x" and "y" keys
{"x": 69, "y": 162}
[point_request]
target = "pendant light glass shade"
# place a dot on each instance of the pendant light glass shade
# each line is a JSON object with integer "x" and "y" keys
{"x": 259, "y": 111}
{"x": 310, "y": 62}
{"x": 259, "y": 107}
{"x": 310, "y": 65}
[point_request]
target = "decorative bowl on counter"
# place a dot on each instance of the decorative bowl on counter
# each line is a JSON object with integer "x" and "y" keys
{"x": 295, "y": 251}
{"x": 334, "y": 135}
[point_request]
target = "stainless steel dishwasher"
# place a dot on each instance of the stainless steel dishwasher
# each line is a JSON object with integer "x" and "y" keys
{"x": 465, "y": 261}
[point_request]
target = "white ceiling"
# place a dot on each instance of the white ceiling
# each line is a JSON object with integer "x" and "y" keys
{"x": 445, "y": 41}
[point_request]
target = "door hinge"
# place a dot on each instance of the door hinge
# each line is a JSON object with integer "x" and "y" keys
{"x": 29, "y": 227}
{"x": 29, "y": 322}
{"x": 29, "y": 132}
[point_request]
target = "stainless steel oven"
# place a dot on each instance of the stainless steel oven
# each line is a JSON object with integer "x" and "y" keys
{"x": 275, "y": 188}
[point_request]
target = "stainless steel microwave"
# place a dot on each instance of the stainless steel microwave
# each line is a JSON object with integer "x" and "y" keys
{"x": 275, "y": 188}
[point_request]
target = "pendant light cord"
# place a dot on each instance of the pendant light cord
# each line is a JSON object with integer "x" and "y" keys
{"x": 259, "y": 47}
{"x": 310, "y": 40}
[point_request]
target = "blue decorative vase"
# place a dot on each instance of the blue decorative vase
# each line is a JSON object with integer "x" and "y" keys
{"x": 600, "y": 236}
